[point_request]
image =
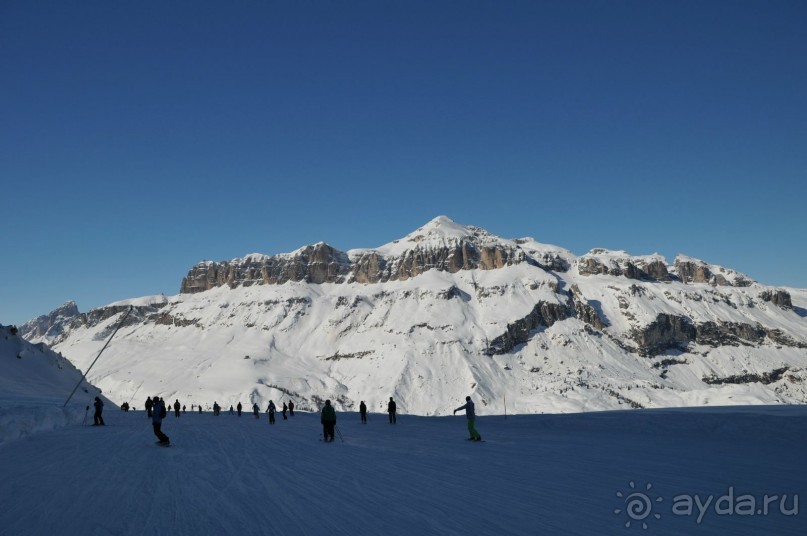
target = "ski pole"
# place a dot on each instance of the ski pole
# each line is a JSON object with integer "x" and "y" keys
{"x": 339, "y": 433}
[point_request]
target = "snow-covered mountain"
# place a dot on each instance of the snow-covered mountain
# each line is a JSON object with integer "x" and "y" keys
{"x": 446, "y": 311}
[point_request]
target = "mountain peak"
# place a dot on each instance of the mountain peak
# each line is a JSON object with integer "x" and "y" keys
{"x": 439, "y": 232}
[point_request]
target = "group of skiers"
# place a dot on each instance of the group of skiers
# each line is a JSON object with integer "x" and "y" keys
{"x": 328, "y": 417}
{"x": 392, "y": 410}
{"x": 150, "y": 403}
{"x": 156, "y": 411}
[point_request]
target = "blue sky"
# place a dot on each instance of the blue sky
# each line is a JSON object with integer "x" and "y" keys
{"x": 139, "y": 138}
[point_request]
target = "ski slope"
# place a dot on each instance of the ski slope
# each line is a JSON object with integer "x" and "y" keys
{"x": 534, "y": 474}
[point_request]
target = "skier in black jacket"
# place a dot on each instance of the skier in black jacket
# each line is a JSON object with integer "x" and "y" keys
{"x": 98, "y": 420}
{"x": 392, "y": 409}
{"x": 363, "y": 412}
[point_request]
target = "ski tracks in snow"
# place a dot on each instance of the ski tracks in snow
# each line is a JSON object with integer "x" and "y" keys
{"x": 533, "y": 475}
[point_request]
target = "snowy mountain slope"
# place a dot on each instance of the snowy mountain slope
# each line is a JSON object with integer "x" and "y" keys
{"x": 35, "y": 382}
{"x": 451, "y": 310}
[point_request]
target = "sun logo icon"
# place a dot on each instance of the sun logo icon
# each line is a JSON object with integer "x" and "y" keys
{"x": 638, "y": 505}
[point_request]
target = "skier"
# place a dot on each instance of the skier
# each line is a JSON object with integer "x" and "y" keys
{"x": 99, "y": 408}
{"x": 328, "y": 420}
{"x": 291, "y": 408}
{"x": 363, "y": 412}
{"x": 285, "y": 409}
{"x": 149, "y": 405}
{"x": 271, "y": 410}
{"x": 157, "y": 420}
{"x": 238, "y": 407}
{"x": 391, "y": 409}
{"x": 216, "y": 408}
{"x": 176, "y": 408}
{"x": 256, "y": 410}
{"x": 231, "y": 410}
{"x": 469, "y": 414}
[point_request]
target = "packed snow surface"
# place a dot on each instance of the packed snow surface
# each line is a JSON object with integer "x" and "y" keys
{"x": 535, "y": 474}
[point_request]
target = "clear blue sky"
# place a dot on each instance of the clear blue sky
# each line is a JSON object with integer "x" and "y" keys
{"x": 139, "y": 138}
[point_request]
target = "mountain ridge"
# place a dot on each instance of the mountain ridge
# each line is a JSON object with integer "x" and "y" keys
{"x": 450, "y": 309}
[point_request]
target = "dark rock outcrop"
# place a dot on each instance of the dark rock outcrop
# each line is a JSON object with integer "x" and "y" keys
{"x": 585, "y": 311}
{"x": 316, "y": 264}
{"x": 666, "y": 332}
{"x": 630, "y": 267}
{"x": 543, "y": 314}
{"x": 778, "y": 297}
{"x": 765, "y": 378}
{"x": 321, "y": 263}
{"x": 729, "y": 334}
{"x": 692, "y": 271}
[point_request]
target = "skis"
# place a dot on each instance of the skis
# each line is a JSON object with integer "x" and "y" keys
{"x": 161, "y": 444}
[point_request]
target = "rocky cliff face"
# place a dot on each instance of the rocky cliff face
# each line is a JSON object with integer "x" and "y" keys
{"x": 55, "y": 327}
{"x": 315, "y": 264}
{"x": 695, "y": 271}
{"x": 322, "y": 263}
{"x": 604, "y": 262}
{"x": 50, "y": 327}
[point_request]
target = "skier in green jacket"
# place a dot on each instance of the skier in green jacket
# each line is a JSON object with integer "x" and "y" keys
{"x": 469, "y": 414}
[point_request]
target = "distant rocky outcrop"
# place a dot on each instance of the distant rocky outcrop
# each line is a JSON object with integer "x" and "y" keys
{"x": 673, "y": 332}
{"x": 464, "y": 255}
{"x": 51, "y": 326}
{"x": 695, "y": 271}
{"x": 778, "y": 297}
{"x": 518, "y": 332}
{"x": 585, "y": 311}
{"x": 319, "y": 263}
{"x": 604, "y": 262}
{"x": 322, "y": 263}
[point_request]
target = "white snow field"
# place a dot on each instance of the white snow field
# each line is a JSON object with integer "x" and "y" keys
{"x": 534, "y": 474}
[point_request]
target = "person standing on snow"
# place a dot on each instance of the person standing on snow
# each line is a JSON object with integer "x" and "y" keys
{"x": 157, "y": 420}
{"x": 256, "y": 410}
{"x": 149, "y": 405}
{"x": 392, "y": 409}
{"x": 328, "y": 420}
{"x": 271, "y": 410}
{"x": 469, "y": 414}
{"x": 363, "y": 412}
{"x": 285, "y": 409}
{"x": 291, "y": 408}
{"x": 99, "y": 408}
{"x": 238, "y": 408}
{"x": 176, "y": 408}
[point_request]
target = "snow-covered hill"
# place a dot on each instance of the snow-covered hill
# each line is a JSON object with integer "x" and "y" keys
{"x": 35, "y": 383}
{"x": 446, "y": 311}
